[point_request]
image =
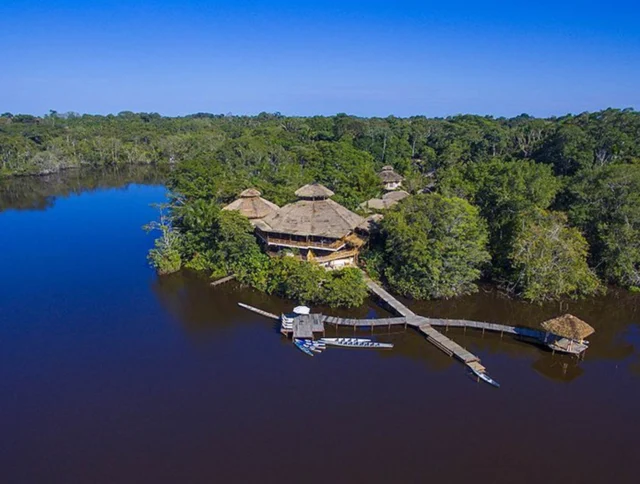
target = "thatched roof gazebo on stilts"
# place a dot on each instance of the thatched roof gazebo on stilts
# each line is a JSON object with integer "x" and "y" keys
{"x": 567, "y": 333}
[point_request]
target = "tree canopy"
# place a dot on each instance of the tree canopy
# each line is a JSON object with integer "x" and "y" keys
{"x": 549, "y": 259}
{"x": 585, "y": 166}
{"x": 434, "y": 247}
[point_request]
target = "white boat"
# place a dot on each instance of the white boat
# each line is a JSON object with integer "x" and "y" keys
{"x": 486, "y": 378}
{"x": 355, "y": 343}
{"x": 287, "y": 319}
{"x": 313, "y": 345}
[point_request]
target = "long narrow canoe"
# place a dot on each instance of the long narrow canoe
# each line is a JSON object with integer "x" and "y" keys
{"x": 355, "y": 343}
{"x": 486, "y": 378}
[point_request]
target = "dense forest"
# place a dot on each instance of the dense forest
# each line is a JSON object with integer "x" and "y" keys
{"x": 545, "y": 208}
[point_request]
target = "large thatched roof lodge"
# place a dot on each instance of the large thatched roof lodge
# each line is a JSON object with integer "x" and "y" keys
{"x": 314, "y": 228}
{"x": 252, "y": 205}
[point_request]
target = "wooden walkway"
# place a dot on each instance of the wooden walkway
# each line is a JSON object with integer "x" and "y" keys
{"x": 259, "y": 311}
{"x": 388, "y": 299}
{"x": 554, "y": 342}
{"x": 367, "y": 323}
{"x": 305, "y": 325}
{"x": 434, "y": 337}
{"x": 446, "y": 345}
{"x": 223, "y": 280}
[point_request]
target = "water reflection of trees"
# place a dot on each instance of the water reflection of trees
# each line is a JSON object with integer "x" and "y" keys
{"x": 39, "y": 192}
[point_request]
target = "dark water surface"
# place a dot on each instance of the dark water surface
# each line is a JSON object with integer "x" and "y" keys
{"x": 111, "y": 375}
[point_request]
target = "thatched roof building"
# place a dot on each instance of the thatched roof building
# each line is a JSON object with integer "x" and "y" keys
{"x": 252, "y": 206}
{"x": 314, "y": 215}
{"x": 390, "y": 179}
{"x": 569, "y": 326}
{"x": 387, "y": 201}
{"x": 319, "y": 229}
{"x": 314, "y": 191}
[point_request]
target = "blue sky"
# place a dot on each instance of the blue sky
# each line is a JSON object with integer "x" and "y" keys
{"x": 366, "y": 58}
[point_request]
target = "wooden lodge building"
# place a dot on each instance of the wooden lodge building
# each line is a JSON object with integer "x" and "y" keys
{"x": 314, "y": 228}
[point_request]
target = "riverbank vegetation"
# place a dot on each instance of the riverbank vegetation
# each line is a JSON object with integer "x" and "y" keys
{"x": 554, "y": 202}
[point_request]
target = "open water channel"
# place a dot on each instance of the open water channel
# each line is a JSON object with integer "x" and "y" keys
{"x": 109, "y": 374}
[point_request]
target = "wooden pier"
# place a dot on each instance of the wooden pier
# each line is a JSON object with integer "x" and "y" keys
{"x": 223, "y": 280}
{"x": 260, "y": 311}
{"x": 388, "y": 299}
{"x": 304, "y": 326}
{"x": 434, "y": 337}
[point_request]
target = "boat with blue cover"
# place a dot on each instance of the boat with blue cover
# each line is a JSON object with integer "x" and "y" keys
{"x": 302, "y": 346}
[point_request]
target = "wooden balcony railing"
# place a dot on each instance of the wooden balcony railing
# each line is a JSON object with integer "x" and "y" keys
{"x": 304, "y": 244}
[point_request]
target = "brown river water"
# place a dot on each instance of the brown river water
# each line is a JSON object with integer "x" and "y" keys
{"x": 113, "y": 375}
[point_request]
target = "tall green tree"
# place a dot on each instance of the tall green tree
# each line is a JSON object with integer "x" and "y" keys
{"x": 504, "y": 192}
{"x": 605, "y": 204}
{"x": 435, "y": 247}
{"x": 549, "y": 259}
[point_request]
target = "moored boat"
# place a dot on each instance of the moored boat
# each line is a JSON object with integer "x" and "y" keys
{"x": 355, "y": 343}
{"x": 486, "y": 378}
{"x": 313, "y": 345}
{"x": 300, "y": 344}
{"x": 286, "y": 320}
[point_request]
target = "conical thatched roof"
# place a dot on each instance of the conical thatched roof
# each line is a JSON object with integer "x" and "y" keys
{"x": 250, "y": 193}
{"x": 569, "y": 326}
{"x": 387, "y": 175}
{"x": 319, "y": 218}
{"x": 251, "y": 205}
{"x": 314, "y": 190}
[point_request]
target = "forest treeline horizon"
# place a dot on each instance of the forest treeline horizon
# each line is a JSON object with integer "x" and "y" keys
{"x": 544, "y": 207}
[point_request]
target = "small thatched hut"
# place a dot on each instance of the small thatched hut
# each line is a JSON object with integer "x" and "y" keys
{"x": 390, "y": 179}
{"x": 252, "y": 205}
{"x": 570, "y": 327}
{"x": 315, "y": 227}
